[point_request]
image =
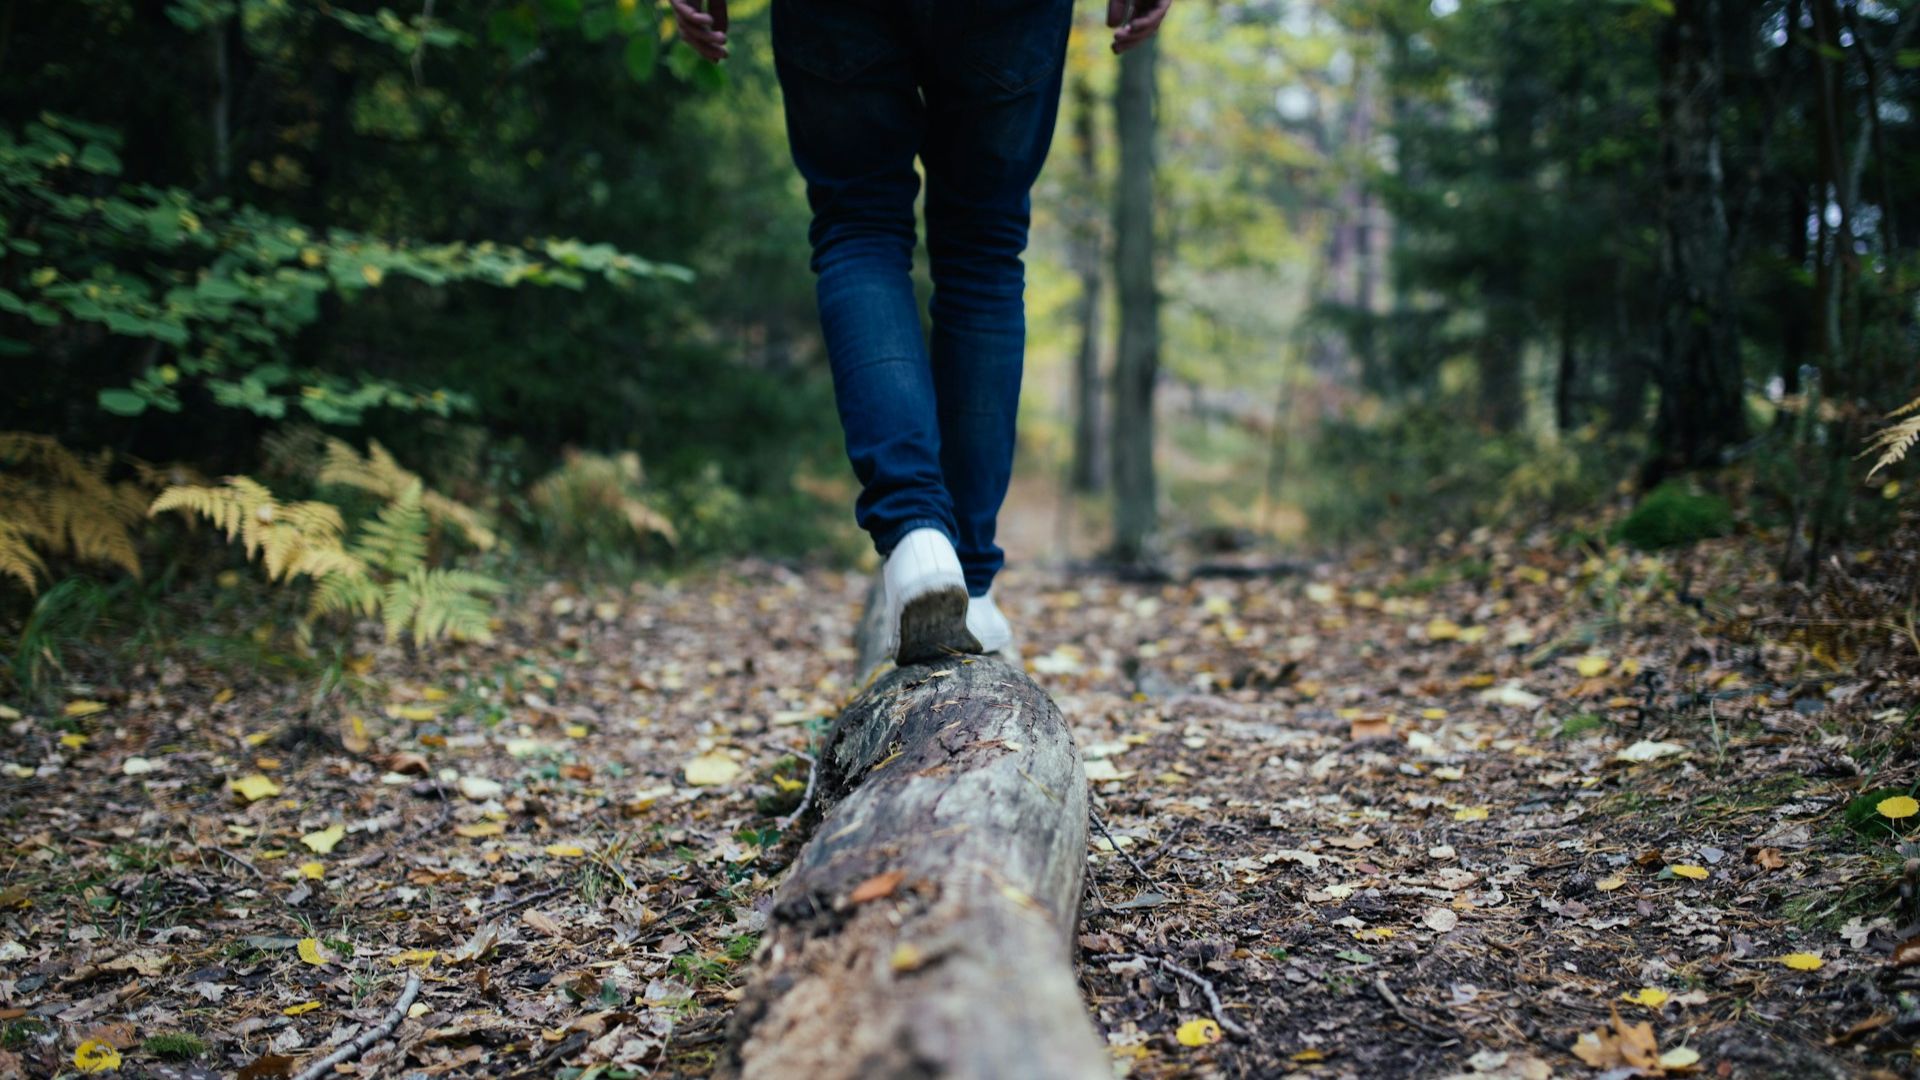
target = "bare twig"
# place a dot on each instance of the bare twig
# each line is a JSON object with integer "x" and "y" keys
{"x": 366, "y": 1039}
{"x": 242, "y": 861}
{"x": 1393, "y": 1002}
{"x": 806, "y": 798}
{"x": 529, "y": 899}
{"x": 1214, "y": 1005}
{"x": 1139, "y": 870}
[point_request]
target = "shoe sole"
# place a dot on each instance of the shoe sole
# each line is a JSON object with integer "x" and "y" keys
{"x": 934, "y": 624}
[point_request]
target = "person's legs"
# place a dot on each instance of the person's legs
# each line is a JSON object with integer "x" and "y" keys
{"x": 991, "y": 105}
{"x": 855, "y": 121}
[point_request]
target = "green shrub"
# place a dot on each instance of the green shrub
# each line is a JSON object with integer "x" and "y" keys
{"x": 1673, "y": 516}
{"x": 175, "y": 1044}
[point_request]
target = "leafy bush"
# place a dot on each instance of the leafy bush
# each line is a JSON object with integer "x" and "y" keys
{"x": 1673, "y": 515}
{"x": 597, "y": 504}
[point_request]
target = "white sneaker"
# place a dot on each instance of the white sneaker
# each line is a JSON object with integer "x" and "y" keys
{"x": 990, "y": 627}
{"x": 926, "y": 599}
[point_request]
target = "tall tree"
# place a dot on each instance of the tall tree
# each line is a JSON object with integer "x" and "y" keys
{"x": 1137, "y": 364}
{"x": 1089, "y": 464}
{"x": 1701, "y": 405}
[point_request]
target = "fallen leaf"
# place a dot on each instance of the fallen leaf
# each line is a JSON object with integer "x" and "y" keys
{"x": 481, "y": 789}
{"x": 323, "y": 841}
{"x": 313, "y": 952}
{"x": 566, "y": 851}
{"x": 1649, "y": 996}
{"x": 1647, "y": 750}
{"x": 77, "y": 709}
{"x": 1442, "y": 630}
{"x": 1198, "y": 1033}
{"x": 94, "y": 1056}
{"x": 413, "y": 958}
{"x": 542, "y": 922}
{"x": 1440, "y": 919}
{"x": 478, "y": 829}
{"x": 1512, "y": 694}
{"x": 253, "y": 788}
{"x": 1610, "y": 884}
{"x": 301, "y": 1009}
{"x": 1692, "y": 873}
{"x": 1470, "y": 813}
{"x": 1592, "y": 667}
{"x": 312, "y": 871}
{"x": 1680, "y": 1057}
{"x": 877, "y": 887}
{"x": 73, "y": 740}
{"x": 1801, "y": 961}
{"x": 712, "y": 769}
{"x": 1898, "y": 807}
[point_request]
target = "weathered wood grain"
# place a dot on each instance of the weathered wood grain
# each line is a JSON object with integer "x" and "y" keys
{"x": 961, "y": 778}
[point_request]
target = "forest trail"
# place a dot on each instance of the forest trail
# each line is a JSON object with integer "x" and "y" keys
{"x": 1403, "y": 818}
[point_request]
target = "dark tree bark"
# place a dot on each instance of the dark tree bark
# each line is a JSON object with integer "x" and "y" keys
{"x": 1502, "y": 344}
{"x": 1137, "y": 366}
{"x": 1701, "y": 408}
{"x": 1089, "y": 464}
{"x": 926, "y": 929}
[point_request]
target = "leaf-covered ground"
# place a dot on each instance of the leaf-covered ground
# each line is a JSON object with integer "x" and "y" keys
{"x": 1511, "y": 808}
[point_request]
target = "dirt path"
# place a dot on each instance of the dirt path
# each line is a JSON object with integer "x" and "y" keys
{"x": 1402, "y": 819}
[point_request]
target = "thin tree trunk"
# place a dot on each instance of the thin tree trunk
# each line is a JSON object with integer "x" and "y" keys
{"x": 1701, "y": 407}
{"x": 1136, "y": 368}
{"x": 1503, "y": 341}
{"x": 1089, "y": 472}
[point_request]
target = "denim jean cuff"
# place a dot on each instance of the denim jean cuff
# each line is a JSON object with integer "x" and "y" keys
{"x": 885, "y": 544}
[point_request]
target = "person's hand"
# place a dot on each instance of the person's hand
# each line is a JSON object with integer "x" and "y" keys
{"x": 706, "y": 30}
{"x": 1131, "y": 25}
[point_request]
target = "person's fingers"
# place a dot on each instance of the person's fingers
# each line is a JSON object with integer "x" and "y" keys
{"x": 1141, "y": 27}
{"x": 688, "y": 15}
{"x": 1117, "y": 11}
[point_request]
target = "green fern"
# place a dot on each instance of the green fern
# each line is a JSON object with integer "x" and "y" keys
{"x": 439, "y": 603}
{"x": 395, "y": 540}
{"x": 379, "y": 474}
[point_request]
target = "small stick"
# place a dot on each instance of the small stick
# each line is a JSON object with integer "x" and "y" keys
{"x": 806, "y": 798}
{"x": 527, "y": 900}
{"x": 1120, "y": 851}
{"x": 366, "y": 1039}
{"x": 1219, "y": 1011}
{"x": 1393, "y": 1002}
{"x": 241, "y": 861}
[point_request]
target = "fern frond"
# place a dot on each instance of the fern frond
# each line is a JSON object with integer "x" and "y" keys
{"x": 395, "y": 540}
{"x": 290, "y": 539}
{"x": 65, "y": 504}
{"x": 380, "y": 474}
{"x": 439, "y": 603}
{"x": 18, "y": 560}
{"x": 344, "y": 593}
{"x": 1895, "y": 440}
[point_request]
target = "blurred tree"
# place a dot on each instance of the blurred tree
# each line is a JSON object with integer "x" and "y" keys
{"x": 1137, "y": 369}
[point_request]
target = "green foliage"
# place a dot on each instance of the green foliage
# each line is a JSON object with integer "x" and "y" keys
{"x": 175, "y": 1044}
{"x": 1674, "y": 515}
{"x": 594, "y": 504}
{"x": 1862, "y": 814}
{"x": 220, "y": 290}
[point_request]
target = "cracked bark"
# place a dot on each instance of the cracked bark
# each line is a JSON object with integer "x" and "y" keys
{"x": 963, "y": 777}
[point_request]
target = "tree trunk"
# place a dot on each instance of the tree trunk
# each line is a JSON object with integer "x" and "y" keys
{"x": 926, "y": 929}
{"x": 1089, "y": 472}
{"x": 1701, "y": 408}
{"x": 1136, "y": 368}
{"x": 1503, "y": 342}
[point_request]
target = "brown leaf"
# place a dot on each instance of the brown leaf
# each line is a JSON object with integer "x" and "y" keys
{"x": 1906, "y": 954}
{"x": 542, "y": 922}
{"x": 877, "y": 887}
{"x": 268, "y": 1067}
{"x": 1769, "y": 859}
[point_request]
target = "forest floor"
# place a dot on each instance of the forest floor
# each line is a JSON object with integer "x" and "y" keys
{"x": 1509, "y": 808}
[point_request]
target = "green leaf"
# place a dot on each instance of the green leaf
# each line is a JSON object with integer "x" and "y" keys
{"x": 641, "y": 52}
{"x": 98, "y": 158}
{"x": 122, "y": 402}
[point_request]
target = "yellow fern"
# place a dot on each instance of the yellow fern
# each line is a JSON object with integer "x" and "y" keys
{"x": 291, "y": 539}
{"x": 1894, "y": 440}
{"x": 378, "y": 473}
{"x": 56, "y": 502}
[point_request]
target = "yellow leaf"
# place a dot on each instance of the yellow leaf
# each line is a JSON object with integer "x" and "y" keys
{"x": 312, "y": 871}
{"x": 225, "y": 695}
{"x": 74, "y": 741}
{"x": 578, "y": 731}
{"x": 372, "y": 274}
{"x": 413, "y": 958}
{"x": 313, "y": 952}
{"x": 1802, "y": 961}
{"x": 322, "y": 842}
{"x": 88, "y": 708}
{"x": 1373, "y": 933}
{"x": 1610, "y": 884}
{"x": 711, "y": 769}
{"x": 1900, "y": 806}
{"x": 410, "y": 712}
{"x": 1433, "y": 714}
{"x": 1470, "y": 813}
{"x": 301, "y": 1009}
{"x": 1198, "y": 1033}
{"x": 1309, "y": 1055}
{"x": 788, "y": 784}
{"x": 1694, "y": 873}
{"x": 1442, "y": 630}
{"x": 1680, "y": 1057}
{"x": 94, "y": 1056}
{"x": 1591, "y": 667}
{"x": 479, "y": 829}
{"x": 434, "y": 693}
{"x": 566, "y": 851}
{"x": 1649, "y": 996}
{"x": 253, "y": 788}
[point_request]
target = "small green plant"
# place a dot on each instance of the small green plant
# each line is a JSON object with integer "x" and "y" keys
{"x": 175, "y": 1044}
{"x": 1673, "y": 516}
{"x": 1579, "y": 724}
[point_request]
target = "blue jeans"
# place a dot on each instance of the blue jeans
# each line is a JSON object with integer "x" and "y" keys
{"x": 971, "y": 88}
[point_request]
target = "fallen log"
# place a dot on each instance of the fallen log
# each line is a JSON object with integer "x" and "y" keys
{"x": 926, "y": 928}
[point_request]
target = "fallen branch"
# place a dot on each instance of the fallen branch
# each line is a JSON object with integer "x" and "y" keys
{"x": 1214, "y": 1005}
{"x": 806, "y": 797}
{"x": 365, "y": 1040}
{"x": 1393, "y": 1002}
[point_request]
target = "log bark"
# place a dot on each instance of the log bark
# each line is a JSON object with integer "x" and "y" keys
{"x": 926, "y": 928}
